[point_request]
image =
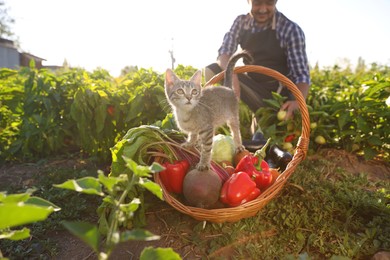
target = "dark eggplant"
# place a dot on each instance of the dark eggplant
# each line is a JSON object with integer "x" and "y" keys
{"x": 272, "y": 164}
{"x": 278, "y": 156}
{"x": 252, "y": 146}
{"x": 259, "y": 137}
{"x": 257, "y": 142}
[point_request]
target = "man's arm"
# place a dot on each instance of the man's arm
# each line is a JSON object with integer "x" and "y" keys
{"x": 304, "y": 88}
{"x": 298, "y": 66}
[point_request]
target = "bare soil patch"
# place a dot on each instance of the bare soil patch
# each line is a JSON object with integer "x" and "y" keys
{"x": 375, "y": 169}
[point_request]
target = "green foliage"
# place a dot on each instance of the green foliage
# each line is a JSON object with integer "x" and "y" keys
{"x": 123, "y": 198}
{"x": 39, "y": 244}
{"x": 87, "y": 232}
{"x": 87, "y": 185}
{"x": 349, "y": 110}
{"x": 20, "y": 209}
{"x": 44, "y": 113}
{"x": 185, "y": 72}
{"x": 159, "y": 254}
{"x": 357, "y": 102}
{"x": 35, "y": 112}
{"x": 135, "y": 143}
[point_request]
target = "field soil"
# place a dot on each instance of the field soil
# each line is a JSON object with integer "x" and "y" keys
{"x": 162, "y": 218}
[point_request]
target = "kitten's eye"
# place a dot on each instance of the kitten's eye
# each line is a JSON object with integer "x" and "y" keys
{"x": 194, "y": 92}
{"x": 180, "y": 91}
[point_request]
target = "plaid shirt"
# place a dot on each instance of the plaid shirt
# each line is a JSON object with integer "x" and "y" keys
{"x": 290, "y": 36}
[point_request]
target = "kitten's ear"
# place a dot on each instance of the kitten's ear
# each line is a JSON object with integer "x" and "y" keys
{"x": 197, "y": 77}
{"x": 170, "y": 78}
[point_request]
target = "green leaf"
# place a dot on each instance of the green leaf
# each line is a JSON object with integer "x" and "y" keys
{"x": 41, "y": 202}
{"x": 108, "y": 182}
{"x": 109, "y": 199}
{"x": 349, "y": 132}
{"x": 103, "y": 225}
{"x": 14, "y": 198}
{"x": 132, "y": 206}
{"x": 87, "y": 185}
{"x": 117, "y": 166}
{"x": 153, "y": 188}
{"x": 138, "y": 170}
{"x": 15, "y": 234}
{"x": 343, "y": 119}
{"x": 100, "y": 115}
{"x": 272, "y": 103}
{"x": 138, "y": 234}
{"x": 85, "y": 231}
{"x": 300, "y": 236}
{"x": 13, "y": 215}
{"x": 156, "y": 167}
{"x": 363, "y": 125}
{"x": 375, "y": 140}
{"x": 369, "y": 153}
{"x": 159, "y": 254}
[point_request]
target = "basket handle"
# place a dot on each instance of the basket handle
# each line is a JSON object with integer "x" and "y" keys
{"x": 304, "y": 139}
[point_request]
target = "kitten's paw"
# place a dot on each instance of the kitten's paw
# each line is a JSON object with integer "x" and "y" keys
{"x": 202, "y": 167}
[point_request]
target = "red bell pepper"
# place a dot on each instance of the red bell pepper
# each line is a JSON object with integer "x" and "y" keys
{"x": 289, "y": 138}
{"x": 250, "y": 164}
{"x": 238, "y": 189}
{"x": 111, "y": 110}
{"x": 256, "y": 167}
{"x": 173, "y": 175}
{"x": 263, "y": 179}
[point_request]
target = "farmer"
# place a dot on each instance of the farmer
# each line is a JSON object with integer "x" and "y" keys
{"x": 274, "y": 42}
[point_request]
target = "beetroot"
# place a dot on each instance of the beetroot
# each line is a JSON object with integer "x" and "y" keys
{"x": 202, "y": 188}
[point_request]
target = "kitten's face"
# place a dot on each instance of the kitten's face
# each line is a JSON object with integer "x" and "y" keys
{"x": 183, "y": 94}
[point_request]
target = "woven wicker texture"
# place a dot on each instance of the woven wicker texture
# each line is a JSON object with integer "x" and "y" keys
{"x": 251, "y": 208}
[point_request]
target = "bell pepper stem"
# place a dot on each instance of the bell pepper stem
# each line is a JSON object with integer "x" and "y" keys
{"x": 261, "y": 154}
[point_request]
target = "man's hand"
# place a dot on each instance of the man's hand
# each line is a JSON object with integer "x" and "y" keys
{"x": 293, "y": 105}
{"x": 290, "y": 107}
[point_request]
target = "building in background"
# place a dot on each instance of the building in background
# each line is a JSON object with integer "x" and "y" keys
{"x": 11, "y": 57}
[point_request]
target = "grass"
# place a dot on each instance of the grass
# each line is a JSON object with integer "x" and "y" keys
{"x": 323, "y": 212}
{"x": 320, "y": 214}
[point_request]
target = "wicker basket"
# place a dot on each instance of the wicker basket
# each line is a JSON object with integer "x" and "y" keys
{"x": 251, "y": 208}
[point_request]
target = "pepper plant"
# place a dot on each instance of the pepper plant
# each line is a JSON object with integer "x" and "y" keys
{"x": 122, "y": 197}
{"x": 17, "y": 210}
{"x": 44, "y": 113}
{"x": 347, "y": 111}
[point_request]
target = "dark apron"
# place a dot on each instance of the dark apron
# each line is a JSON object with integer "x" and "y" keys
{"x": 256, "y": 87}
{"x": 265, "y": 47}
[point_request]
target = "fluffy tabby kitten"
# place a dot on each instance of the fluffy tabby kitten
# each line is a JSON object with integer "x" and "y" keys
{"x": 198, "y": 111}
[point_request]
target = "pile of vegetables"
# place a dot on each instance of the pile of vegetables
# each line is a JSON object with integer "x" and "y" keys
{"x": 233, "y": 179}
{"x": 148, "y": 143}
{"x": 251, "y": 176}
